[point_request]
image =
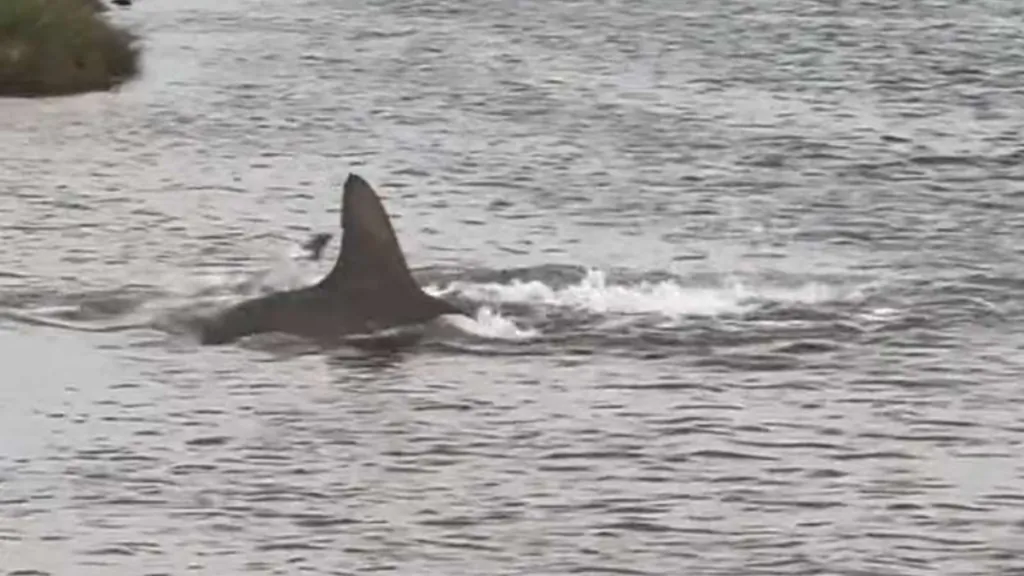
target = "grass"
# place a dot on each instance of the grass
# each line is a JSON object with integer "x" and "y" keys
{"x": 58, "y": 47}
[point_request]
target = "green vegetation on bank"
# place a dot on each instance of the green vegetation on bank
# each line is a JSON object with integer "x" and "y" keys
{"x": 55, "y": 47}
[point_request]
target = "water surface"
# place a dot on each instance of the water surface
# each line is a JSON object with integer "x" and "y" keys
{"x": 748, "y": 280}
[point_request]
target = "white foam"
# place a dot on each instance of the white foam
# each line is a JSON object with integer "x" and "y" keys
{"x": 595, "y": 295}
{"x": 490, "y": 324}
{"x": 807, "y": 293}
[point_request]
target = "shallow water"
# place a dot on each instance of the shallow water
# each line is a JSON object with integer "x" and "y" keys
{"x": 748, "y": 280}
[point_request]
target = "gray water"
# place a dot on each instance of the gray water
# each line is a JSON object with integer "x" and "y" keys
{"x": 748, "y": 277}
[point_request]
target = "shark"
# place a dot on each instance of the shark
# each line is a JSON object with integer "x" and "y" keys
{"x": 370, "y": 289}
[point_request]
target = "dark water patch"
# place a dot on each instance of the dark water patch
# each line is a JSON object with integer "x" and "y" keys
{"x": 605, "y": 569}
{"x": 288, "y": 547}
{"x": 639, "y": 526}
{"x": 958, "y": 507}
{"x": 128, "y": 501}
{"x": 817, "y": 447}
{"x": 944, "y": 160}
{"x": 455, "y": 522}
{"x": 317, "y": 521}
{"x": 110, "y": 551}
{"x": 874, "y": 455}
{"x": 728, "y": 455}
{"x": 806, "y": 347}
{"x": 209, "y": 441}
{"x": 186, "y": 469}
{"x": 750, "y": 362}
{"x": 940, "y": 439}
{"x": 459, "y": 542}
{"x": 826, "y": 473}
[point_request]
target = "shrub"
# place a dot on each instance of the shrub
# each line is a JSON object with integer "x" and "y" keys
{"x": 53, "y": 47}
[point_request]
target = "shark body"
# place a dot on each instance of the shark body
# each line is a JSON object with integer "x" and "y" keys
{"x": 369, "y": 289}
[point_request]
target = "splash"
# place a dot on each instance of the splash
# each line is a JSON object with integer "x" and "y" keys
{"x": 594, "y": 294}
{"x": 490, "y": 325}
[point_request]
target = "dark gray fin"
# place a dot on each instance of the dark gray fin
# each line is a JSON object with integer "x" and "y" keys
{"x": 370, "y": 257}
{"x": 371, "y": 273}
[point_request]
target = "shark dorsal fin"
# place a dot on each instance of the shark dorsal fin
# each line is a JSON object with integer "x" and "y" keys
{"x": 369, "y": 289}
{"x": 370, "y": 260}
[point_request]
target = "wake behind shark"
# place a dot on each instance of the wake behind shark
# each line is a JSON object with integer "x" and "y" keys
{"x": 370, "y": 288}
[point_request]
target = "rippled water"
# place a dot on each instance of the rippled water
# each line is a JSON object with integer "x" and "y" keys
{"x": 748, "y": 279}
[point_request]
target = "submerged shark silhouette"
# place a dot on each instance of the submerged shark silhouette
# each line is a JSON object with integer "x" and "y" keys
{"x": 369, "y": 289}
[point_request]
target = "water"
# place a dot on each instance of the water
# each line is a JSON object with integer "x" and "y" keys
{"x": 748, "y": 279}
